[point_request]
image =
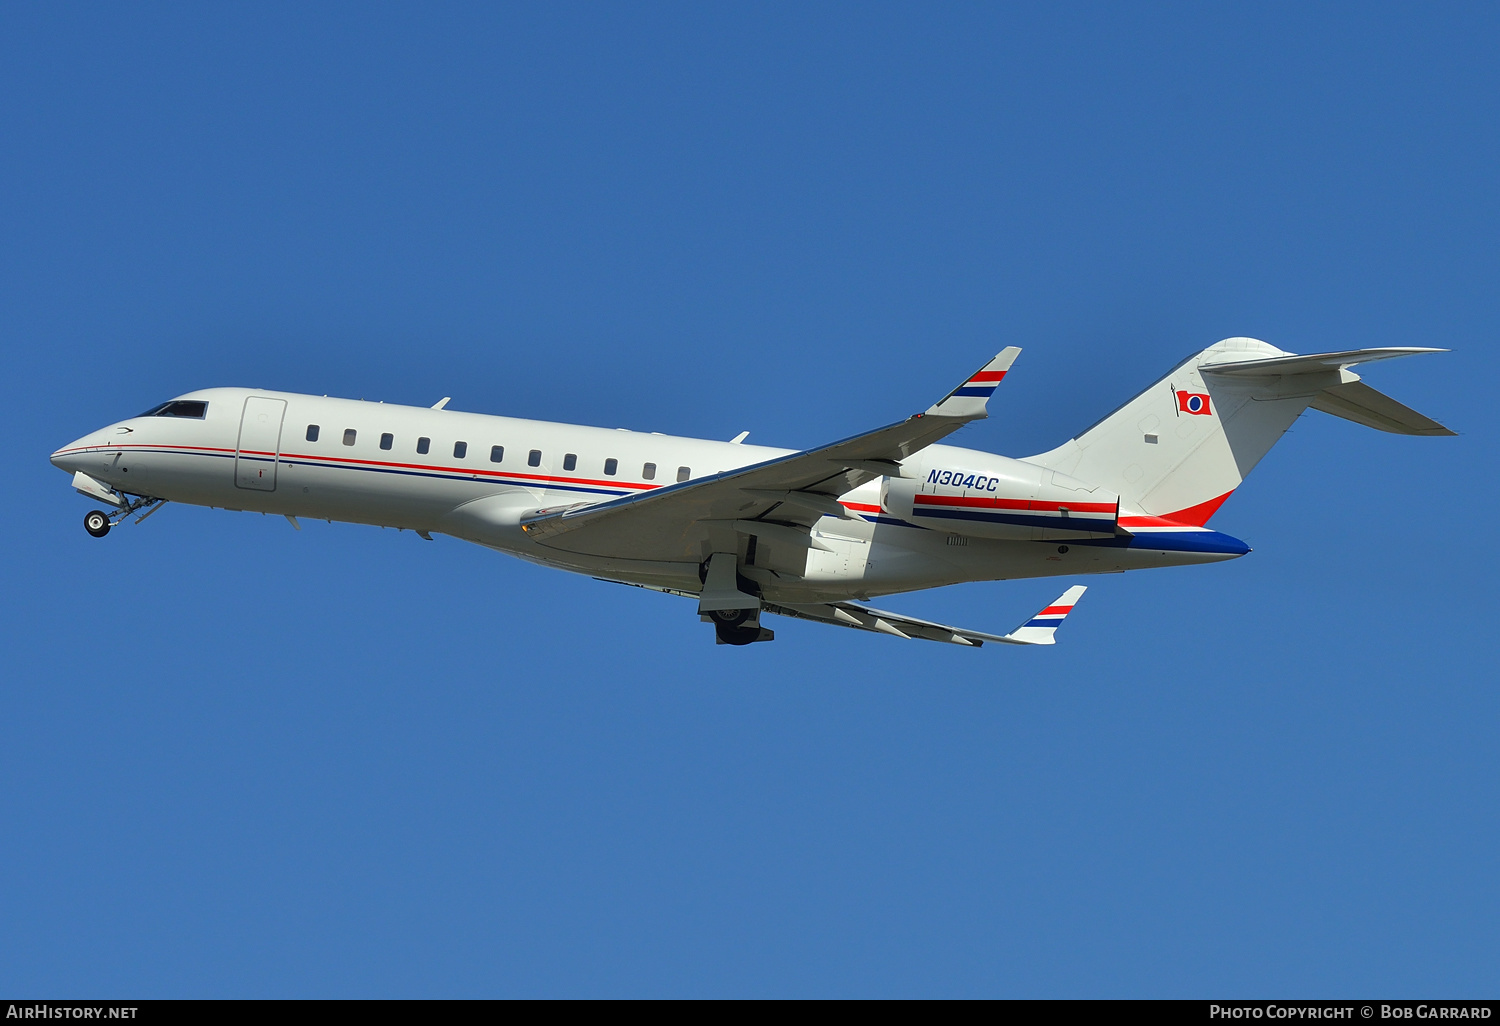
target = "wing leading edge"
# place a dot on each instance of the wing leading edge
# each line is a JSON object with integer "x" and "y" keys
{"x": 669, "y": 523}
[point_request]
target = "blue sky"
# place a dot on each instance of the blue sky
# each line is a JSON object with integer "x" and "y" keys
{"x": 241, "y": 760}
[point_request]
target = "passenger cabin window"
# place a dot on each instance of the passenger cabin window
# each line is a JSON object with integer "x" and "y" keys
{"x": 611, "y": 467}
{"x": 312, "y": 432}
{"x": 387, "y": 440}
{"x": 497, "y": 453}
{"x": 649, "y": 472}
{"x": 190, "y": 408}
{"x": 460, "y": 450}
{"x": 349, "y": 436}
{"x": 534, "y": 458}
{"x": 423, "y": 444}
{"x": 570, "y": 461}
{"x": 683, "y": 473}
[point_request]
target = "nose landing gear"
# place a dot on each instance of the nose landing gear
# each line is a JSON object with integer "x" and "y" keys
{"x": 97, "y": 522}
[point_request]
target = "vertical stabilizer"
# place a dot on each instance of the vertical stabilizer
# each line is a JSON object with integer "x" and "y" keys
{"x": 1181, "y": 447}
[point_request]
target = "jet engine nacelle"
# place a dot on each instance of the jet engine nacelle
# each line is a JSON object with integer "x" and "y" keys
{"x": 1009, "y": 499}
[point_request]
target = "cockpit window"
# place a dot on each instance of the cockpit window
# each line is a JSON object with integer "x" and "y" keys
{"x": 179, "y": 408}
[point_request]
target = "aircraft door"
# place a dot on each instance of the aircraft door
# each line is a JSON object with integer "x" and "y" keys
{"x": 259, "y": 447}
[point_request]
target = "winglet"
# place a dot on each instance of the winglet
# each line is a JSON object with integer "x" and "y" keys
{"x": 1039, "y": 630}
{"x": 968, "y": 399}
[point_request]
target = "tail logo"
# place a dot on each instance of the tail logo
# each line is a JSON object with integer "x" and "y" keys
{"x": 1195, "y": 403}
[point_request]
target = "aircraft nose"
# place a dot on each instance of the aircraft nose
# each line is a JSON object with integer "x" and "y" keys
{"x": 71, "y": 456}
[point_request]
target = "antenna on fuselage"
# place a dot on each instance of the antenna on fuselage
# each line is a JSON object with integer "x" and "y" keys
{"x": 441, "y": 402}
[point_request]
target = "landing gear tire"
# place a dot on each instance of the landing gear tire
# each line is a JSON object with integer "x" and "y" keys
{"x": 96, "y": 523}
{"x": 730, "y": 617}
{"x": 736, "y": 635}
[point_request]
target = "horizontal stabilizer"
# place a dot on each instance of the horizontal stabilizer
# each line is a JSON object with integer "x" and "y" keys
{"x": 1314, "y": 363}
{"x": 1333, "y": 388}
{"x": 1362, "y": 404}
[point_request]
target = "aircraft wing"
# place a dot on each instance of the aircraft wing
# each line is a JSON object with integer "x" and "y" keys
{"x": 1039, "y": 630}
{"x": 670, "y": 523}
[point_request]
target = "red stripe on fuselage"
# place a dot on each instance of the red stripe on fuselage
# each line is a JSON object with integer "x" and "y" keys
{"x": 474, "y": 471}
{"x": 468, "y": 471}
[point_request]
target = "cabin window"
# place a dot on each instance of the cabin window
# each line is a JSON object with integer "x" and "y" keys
{"x": 460, "y": 450}
{"x": 683, "y": 473}
{"x": 534, "y": 458}
{"x": 387, "y": 440}
{"x": 570, "y": 461}
{"x": 423, "y": 445}
{"x": 497, "y": 453}
{"x": 312, "y": 432}
{"x": 179, "y": 408}
{"x": 349, "y": 436}
{"x": 649, "y": 472}
{"x": 611, "y": 467}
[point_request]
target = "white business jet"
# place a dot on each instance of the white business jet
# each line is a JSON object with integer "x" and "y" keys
{"x": 747, "y": 530}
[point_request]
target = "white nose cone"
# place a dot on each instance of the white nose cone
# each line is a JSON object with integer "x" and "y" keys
{"x": 77, "y": 455}
{"x": 70, "y": 456}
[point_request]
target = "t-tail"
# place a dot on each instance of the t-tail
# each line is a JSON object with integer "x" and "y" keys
{"x": 1180, "y": 448}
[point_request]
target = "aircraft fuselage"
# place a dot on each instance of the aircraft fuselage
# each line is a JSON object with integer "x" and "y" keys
{"x": 474, "y": 476}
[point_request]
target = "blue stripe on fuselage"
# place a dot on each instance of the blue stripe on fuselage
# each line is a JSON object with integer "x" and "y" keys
{"x": 460, "y": 475}
{"x": 1018, "y": 519}
{"x": 456, "y": 474}
{"x": 1164, "y": 541}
